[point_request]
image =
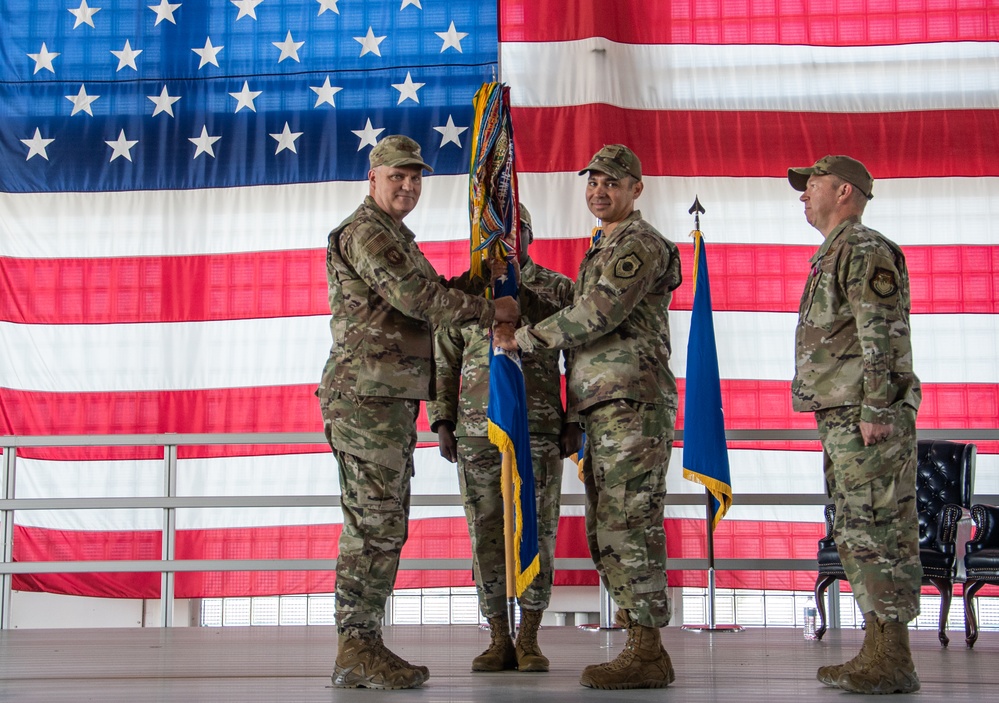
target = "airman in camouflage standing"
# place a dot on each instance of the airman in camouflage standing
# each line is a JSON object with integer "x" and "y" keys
{"x": 621, "y": 387}
{"x": 853, "y": 369}
{"x": 459, "y": 418}
{"x": 383, "y": 295}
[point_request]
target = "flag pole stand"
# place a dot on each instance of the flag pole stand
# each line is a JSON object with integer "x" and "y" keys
{"x": 711, "y": 626}
{"x": 508, "y": 541}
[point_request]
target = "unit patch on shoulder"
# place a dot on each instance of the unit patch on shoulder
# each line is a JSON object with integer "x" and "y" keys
{"x": 394, "y": 256}
{"x": 883, "y": 283}
{"x": 628, "y": 266}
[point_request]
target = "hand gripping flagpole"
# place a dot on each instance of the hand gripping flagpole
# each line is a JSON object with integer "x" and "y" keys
{"x": 711, "y": 502}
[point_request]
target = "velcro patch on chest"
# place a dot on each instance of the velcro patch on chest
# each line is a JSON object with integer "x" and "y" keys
{"x": 883, "y": 282}
{"x": 628, "y": 266}
{"x": 385, "y": 247}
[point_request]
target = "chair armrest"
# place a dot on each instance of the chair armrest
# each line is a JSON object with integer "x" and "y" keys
{"x": 830, "y": 515}
{"x": 952, "y": 519}
{"x": 986, "y": 519}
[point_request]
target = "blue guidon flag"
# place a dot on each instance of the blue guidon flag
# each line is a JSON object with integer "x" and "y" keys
{"x": 705, "y": 452}
{"x": 493, "y": 211}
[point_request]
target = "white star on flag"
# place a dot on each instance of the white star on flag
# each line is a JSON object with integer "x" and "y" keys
{"x": 328, "y": 5}
{"x": 286, "y": 140}
{"x": 368, "y": 135}
{"x": 36, "y": 145}
{"x": 450, "y": 133}
{"x": 81, "y": 101}
{"x": 164, "y": 102}
{"x": 209, "y": 54}
{"x": 451, "y": 38}
{"x": 84, "y": 14}
{"x": 407, "y": 90}
{"x": 164, "y": 11}
{"x": 43, "y": 59}
{"x": 325, "y": 93}
{"x": 247, "y": 8}
{"x": 204, "y": 143}
{"x": 246, "y": 97}
{"x": 406, "y": 3}
{"x": 126, "y": 57}
{"x": 121, "y": 147}
{"x": 369, "y": 43}
{"x": 289, "y": 48}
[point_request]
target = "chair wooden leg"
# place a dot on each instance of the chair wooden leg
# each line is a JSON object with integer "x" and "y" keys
{"x": 821, "y": 584}
{"x": 970, "y": 619}
{"x": 946, "y": 589}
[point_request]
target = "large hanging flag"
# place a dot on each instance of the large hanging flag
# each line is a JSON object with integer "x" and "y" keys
{"x": 193, "y": 298}
{"x": 705, "y": 452}
{"x": 493, "y": 211}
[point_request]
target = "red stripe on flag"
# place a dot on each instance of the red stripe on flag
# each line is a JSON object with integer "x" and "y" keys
{"x": 431, "y": 538}
{"x": 807, "y": 22}
{"x": 164, "y": 288}
{"x": 747, "y": 277}
{"x": 931, "y": 143}
{"x": 749, "y": 405}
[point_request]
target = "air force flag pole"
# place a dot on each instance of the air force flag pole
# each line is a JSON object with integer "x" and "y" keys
{"x": 705, "y": 452}
{"x": 493, "y": 210}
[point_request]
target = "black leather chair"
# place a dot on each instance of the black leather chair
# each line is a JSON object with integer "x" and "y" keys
{"x": 981, "y": 562}
{"x": 945, "y": 478}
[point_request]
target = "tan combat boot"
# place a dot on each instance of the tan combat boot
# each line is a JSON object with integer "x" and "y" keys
{"x": 399, "y": 660}
{"x": 890, "y": 669}
{"x": 365, "y": 662}
{"x": 529, "y": 656}
{"x": 644, "y": 663}
{"x": 501, "y": 655}
{"x": 829, "y": 675}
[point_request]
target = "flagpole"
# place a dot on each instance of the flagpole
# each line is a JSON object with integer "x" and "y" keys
{"x": 712, "y": 625}
{"x": 711, "y": 559}
{"x": 508, "y": 541}
{"x": 697, "y": 210}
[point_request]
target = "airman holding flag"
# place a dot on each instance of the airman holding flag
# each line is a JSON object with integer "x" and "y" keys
{"x": 458, "y": 415}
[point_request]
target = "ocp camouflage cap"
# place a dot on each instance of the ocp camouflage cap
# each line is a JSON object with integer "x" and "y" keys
{"x": 397, "y": 150}
{"x": 617, "y": 161}
{"x": 847, "y": 168}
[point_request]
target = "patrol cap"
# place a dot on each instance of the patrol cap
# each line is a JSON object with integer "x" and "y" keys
{"x": 397, "y": 150}
{"x": 617, "y": 161}
{"x": 525, "y": 215}
{"x": 850, "y": 170}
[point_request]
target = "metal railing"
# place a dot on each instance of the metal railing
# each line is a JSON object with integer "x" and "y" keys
{"x": 169, "y": 502}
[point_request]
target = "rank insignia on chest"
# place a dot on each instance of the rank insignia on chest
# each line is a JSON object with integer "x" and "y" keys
{"x": 883, "y": 283}
{"x": 628, "y": 266}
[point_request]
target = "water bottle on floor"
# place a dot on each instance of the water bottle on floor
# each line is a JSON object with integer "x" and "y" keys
{"x": 809, "y": 620}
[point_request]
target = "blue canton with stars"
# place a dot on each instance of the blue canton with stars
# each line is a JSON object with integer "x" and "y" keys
{"x": 102, "y": 95}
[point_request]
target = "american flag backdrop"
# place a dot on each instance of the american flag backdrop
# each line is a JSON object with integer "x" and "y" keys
{"x": 169, "y": 172}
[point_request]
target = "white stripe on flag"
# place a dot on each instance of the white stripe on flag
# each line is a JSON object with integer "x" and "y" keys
{"x": 290, "y": 351}
{"x": 265, "y": 218}
{"x": 753, "y": 77}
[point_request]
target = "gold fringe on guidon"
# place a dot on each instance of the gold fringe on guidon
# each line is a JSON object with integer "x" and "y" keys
{"x": 524, "y": 575}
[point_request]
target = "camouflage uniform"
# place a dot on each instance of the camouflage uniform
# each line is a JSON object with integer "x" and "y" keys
{"x": 853, "y": 363}
{"x": 621, "y": 388}
{"x": 383, "y": 293}
{"x": 462, "y": 357}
